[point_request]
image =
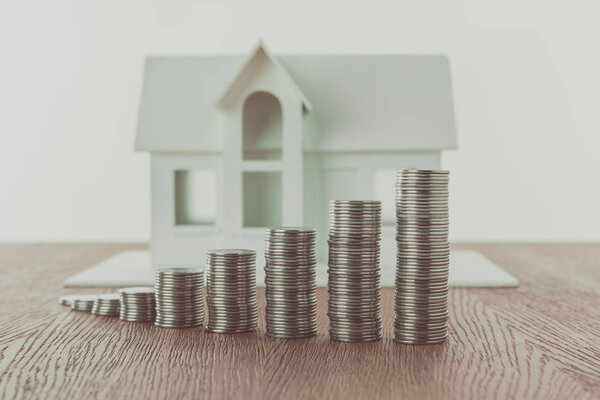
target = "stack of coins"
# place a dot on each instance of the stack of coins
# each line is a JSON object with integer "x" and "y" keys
{"x": 354, "y": 273}
{"x": 83, "y": 302}
{"x": 290, "y": 274}
{"x": 231, "y": 291}
{"x": 178, "y": 293}
{"x": 421, "y": 295}
{"x": 67, "y": 300}
{"x": 137, "y": 304}
{"x": 106, "y": 305}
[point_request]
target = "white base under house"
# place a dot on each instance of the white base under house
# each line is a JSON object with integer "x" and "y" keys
{"x": 133, "y": 268}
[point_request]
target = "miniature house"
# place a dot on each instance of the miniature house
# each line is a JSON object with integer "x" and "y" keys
{"x": 239, "y": 144}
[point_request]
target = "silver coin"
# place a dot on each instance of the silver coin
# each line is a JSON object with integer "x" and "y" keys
{"x": 83, "y": 302}
{"x": 135, "y": 291}
{"x": 67, "y": 300}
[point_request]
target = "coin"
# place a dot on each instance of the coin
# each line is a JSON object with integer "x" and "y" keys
{"x": 83, "y": 302}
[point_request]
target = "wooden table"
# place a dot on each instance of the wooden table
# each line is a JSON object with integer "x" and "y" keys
{"x": 541, "y": 340}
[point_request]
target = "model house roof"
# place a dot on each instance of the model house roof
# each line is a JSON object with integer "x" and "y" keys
{"x": 258, "y": 49}
{"x": 357, "y": 103}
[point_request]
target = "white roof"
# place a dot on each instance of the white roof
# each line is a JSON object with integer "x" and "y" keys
{"x": 361, "y": 102}
{"x": 260, "y": 47}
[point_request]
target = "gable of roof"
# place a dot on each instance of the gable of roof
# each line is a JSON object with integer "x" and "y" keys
{"x": 260, "y": 49}
{"x": 359, "y": 103}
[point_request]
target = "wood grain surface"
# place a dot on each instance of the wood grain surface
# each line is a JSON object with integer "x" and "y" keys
{"x": 540, "y": 340}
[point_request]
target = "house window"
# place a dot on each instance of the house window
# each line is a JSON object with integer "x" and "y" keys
{"x": 262, "y": 127}
{"x": 195, "y": 197}
{"x": 384, "y": 190}
{"x": 262, "y": 199}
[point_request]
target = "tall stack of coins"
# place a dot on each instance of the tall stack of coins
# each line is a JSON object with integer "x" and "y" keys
{"x": 137, "y": 304}
{"x": 290, "y": 274}
{"x": 106, "y": 305}
{"x": 421, "y": 295}
{"x": 354, "y": 273}
{"x": 83, "y": 302}
{"x": 179, "y": 296}
{"x": 231, "y": 291}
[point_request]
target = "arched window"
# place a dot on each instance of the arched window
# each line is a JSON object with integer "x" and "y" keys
{"x": 262, "y": 127}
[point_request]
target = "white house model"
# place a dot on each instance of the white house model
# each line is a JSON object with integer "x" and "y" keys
{"x": 240, "y": 144}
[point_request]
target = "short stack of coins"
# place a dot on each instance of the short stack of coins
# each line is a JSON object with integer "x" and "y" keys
{"x": 137, "y": 304}
{"x": 231, "y": 291}
{"x": 421, "y": 290}
{"x": 179, "y": 296}
{"x": 83, "y": 302}
{"x": 354, "y": 274}
{"x": 290, "y": 281}
{"x": 106, "y": 305}
{"x": 67, "y": 300}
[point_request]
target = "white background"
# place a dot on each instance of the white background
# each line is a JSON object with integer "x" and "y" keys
{"x": 526, "y": 78}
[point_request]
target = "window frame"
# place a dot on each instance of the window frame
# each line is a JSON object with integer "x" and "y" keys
{"x": 178, "y": 213}
{"x": 167, "y": 170}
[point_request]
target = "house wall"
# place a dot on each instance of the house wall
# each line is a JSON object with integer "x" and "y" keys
{"x": 326, "y": 176}
{"x": 183, "y": 244}
{"x": 358, "y": 176}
